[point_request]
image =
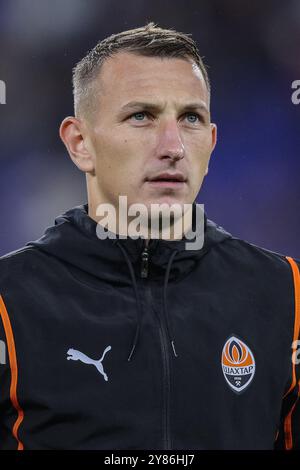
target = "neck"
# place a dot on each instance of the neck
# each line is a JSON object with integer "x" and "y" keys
{"x": 119, "y": 222}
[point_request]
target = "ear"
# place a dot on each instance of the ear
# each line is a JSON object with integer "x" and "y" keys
{"x": 213, "y": 128}
{"x": 74, "y": 135}
{"x": 213, "y": 136}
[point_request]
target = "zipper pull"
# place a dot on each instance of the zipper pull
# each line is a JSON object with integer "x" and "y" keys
{"x": 145, "y": 263}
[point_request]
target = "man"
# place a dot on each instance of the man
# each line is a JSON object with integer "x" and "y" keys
{"x": 139, "y": 342}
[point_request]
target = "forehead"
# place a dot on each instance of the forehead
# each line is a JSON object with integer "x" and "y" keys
{"x": 128, "y": 75}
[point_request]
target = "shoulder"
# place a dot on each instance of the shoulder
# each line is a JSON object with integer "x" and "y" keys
{"x": 19, "y": 263}
{"x": 257, "y": 268}
{"x": 248, "y": 253}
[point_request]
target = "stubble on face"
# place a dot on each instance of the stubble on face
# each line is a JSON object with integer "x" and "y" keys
{"x": 127, "y": 151}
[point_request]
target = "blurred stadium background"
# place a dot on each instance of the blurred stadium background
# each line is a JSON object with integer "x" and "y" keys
{"x": 253, "y": 53}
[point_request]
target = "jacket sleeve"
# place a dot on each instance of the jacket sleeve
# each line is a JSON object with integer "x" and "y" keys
{"x": 288, "y": 435}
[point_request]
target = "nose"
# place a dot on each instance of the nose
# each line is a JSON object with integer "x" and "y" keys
{"x": 170, "y": 144}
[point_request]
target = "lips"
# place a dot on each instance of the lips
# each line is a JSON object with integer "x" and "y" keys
{"x": 167, "y": 180}
{"x": 166, "y": 184}
{"x": 167, "y": 177}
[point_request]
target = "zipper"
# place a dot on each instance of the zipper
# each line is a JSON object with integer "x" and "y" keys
{"x": 145, "y": 258}
{"x": 165, "y": 352}
{"x": 145, "y": 263}
{"x": 166, "y": 373}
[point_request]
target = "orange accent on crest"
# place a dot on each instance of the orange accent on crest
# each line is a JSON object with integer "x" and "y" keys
{"x": 235, "y": 354}
{"x": 246, "y": 359}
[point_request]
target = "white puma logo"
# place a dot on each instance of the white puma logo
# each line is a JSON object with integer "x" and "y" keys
{"x": 79, "y": 356}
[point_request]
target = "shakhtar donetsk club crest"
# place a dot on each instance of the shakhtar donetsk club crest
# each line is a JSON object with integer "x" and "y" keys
{"x": 238, "y": 364}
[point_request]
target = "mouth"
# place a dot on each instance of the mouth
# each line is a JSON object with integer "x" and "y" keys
{"x": 167, "y": 184}
{"x": 167, "y": 180}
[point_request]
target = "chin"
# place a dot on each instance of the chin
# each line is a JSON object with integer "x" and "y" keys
{"x": 164, "y": 200}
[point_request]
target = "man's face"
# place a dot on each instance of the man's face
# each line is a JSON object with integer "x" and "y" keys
{"x": 134, "y": 144}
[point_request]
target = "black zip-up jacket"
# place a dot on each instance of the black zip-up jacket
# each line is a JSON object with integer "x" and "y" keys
{"x": 108, "y": 345}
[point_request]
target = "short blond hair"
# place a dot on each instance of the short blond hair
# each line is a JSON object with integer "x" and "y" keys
{"x": 149, "y": 40}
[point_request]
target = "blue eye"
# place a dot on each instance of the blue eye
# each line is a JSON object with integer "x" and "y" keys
{"x": 193, "y": 115}
{"x": 140, "y": 114}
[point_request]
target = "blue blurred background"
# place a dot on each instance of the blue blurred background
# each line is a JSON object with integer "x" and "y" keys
{"x": 253, "y": 52}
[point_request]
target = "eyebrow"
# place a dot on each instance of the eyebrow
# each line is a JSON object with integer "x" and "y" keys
{"x": 156, "y": 107}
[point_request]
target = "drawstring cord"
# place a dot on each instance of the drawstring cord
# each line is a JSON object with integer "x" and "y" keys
{"x": 139, "y": 307}
{"x": 166, "y": 280}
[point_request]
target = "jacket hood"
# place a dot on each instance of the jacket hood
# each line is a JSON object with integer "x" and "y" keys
{"x": 73, "y": 240}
